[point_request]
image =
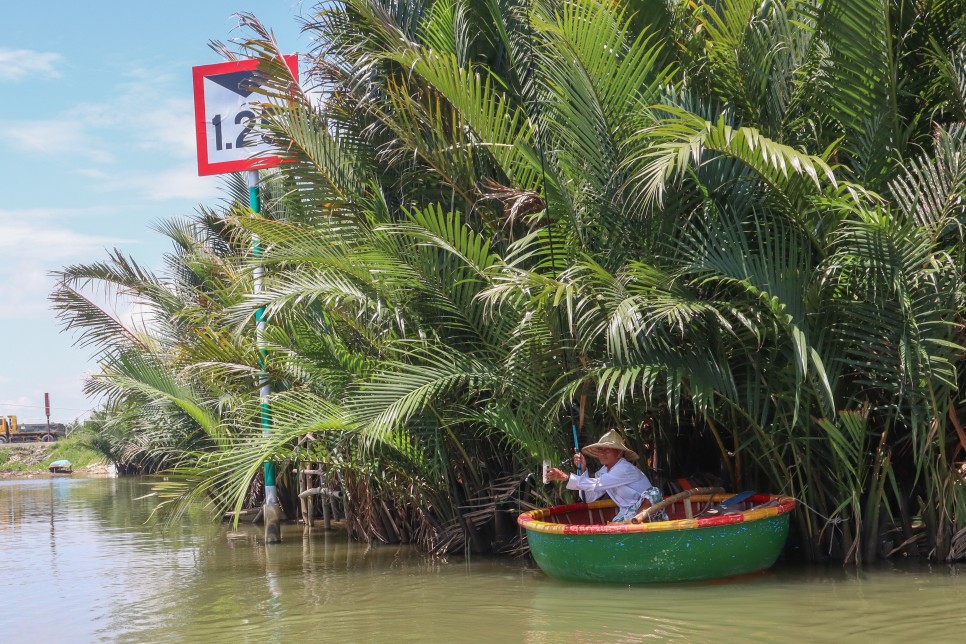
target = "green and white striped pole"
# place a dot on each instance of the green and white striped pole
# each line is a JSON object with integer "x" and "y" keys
{"x": 271, "y": 511}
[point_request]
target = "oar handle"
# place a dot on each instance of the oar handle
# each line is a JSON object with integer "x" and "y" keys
{"x": 645, "y": 515}
{"x": 573, "y": 427}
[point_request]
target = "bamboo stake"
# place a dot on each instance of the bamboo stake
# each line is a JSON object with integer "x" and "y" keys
{"x": 326, "y": 514}
{"x": 301, "y": 484}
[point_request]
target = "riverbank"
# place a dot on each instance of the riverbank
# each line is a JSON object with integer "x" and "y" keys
{"x": 30, "y": 460}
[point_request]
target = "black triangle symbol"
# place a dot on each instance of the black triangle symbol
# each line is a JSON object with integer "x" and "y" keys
{"x": 242, "y": 83}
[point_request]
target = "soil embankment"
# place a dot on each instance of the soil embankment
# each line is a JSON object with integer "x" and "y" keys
{"x": 29, "y": 460}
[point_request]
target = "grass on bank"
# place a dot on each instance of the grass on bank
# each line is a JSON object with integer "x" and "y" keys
{"x": 36, "y": 457}
{"x": 73, "y": 449}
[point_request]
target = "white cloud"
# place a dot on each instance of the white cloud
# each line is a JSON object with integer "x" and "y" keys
{"x": 33, "y": 243}
{"x": 24, "y": 291}
{"x": 25, "y": 237}
{"x": 172, "y": 129}
{"x": 16, "y": 64}
{"x": 151, "y": 115}
{"x": 150, "y": 118}
{"x": 93, "y": 173}
{"x": 176, "y": 182}
{"x": 158, "y": 109}
{"x": 20, "y": 401}
{"x": 55, "y": 138}
{"x": 182, "y": 183}
{"x": 42, "y": 214}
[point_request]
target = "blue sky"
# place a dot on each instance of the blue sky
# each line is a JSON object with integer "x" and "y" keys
{"x": 96, "y": 144}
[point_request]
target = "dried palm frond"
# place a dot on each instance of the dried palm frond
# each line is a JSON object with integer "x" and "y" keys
{"x": 519, "y": 206}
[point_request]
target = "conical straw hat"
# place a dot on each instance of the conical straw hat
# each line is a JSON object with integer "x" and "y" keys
{"x": 610, "y": 440}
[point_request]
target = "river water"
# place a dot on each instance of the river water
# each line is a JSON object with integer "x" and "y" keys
{"x": 78, "y": 564}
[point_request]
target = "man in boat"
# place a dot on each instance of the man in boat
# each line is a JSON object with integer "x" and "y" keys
{"x": 626, "y": 485}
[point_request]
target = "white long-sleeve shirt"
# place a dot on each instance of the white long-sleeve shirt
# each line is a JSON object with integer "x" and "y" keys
{"x": 623, "y": 483}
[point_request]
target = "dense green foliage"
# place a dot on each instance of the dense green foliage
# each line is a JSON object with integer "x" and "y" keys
{"x": 732, "y": 229}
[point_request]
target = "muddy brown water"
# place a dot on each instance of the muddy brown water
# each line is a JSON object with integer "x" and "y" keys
{"x": 78, "y": 564}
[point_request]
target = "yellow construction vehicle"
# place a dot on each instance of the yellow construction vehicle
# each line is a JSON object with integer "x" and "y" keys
{"x": 11, "y": 432}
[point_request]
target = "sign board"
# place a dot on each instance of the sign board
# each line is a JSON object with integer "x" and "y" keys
{"x": 225, "y": 94}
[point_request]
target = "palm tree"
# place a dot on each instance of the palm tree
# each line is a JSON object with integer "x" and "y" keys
{"x": 505, "y": 218}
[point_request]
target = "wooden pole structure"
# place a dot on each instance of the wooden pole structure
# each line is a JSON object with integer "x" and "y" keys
{"x": 272, "y": 514}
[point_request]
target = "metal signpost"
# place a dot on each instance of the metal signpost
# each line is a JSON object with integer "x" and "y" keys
{"x": 224, "y": 122}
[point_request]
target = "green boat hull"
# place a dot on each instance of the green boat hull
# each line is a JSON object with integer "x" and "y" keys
{"x": 670, "y": 556}
{"x": 708, "y": 536}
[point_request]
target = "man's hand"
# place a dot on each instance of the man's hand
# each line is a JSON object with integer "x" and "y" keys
{"x": 580, "y": 461}
{"x": 555, "y": 474}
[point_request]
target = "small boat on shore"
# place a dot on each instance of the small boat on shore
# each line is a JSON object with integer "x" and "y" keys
{"x": 708, "y": 536}
{"x": 62, "y": 466}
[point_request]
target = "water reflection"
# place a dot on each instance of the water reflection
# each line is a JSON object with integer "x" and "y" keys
{"x": 81, "y": 566}
{"x": 893, "y": 602}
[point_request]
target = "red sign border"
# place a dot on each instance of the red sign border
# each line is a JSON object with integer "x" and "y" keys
{"x": 199, "y": 73}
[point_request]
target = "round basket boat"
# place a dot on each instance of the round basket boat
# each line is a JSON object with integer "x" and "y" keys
{"x": 706, "y": 538}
